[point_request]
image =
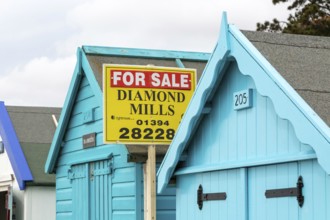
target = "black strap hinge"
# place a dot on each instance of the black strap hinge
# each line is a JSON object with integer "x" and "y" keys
{"x": 208, "y": 196}
{"x": 287, "y": 192}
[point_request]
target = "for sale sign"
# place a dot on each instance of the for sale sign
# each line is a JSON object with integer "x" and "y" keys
{"x": 144, "y": 104}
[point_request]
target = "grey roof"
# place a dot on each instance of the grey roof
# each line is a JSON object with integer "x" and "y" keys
{"x": 34, "y": 127}
{"x": 33, "y": 124}
{"x": 303, "y": 61}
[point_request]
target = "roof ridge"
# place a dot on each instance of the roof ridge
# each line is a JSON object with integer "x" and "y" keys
{"x": 33, "y": 109}
{"x": 291, "y": 45}
{"x": 28, "y": 112}
{"x": 285, "y": 39}
{"x": 26, "y": 142}
{"x": 314, "y": 90}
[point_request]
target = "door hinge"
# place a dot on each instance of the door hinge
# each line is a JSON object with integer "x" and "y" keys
{"x": 75, "y": 175}
{"x": 208, "y": 196}
{"x": 288, "y": 192}
{"x": 105, "y": 171}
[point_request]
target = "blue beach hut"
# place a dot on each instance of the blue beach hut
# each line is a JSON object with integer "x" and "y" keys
{"x": 255, "y": 140}
{"x": 105, "y": 181}
{"x": 26, "y": 192}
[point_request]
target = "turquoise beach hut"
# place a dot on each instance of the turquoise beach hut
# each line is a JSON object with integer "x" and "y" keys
{"x": 255, "y": 140}
{"x": 105, "y": 181}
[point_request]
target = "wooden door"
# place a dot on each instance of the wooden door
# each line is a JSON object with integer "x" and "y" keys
{"x": 91, "y": 187}
{"x": 100, "y": 184}
{"x": 79, "y": 175}
{"x": 219, "y": 191}
{"x": 272, "y": 177}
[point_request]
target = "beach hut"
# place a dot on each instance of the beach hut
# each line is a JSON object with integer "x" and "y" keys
{"x": 26, "y": 192}
{"x": 97, "y": 180}
{"x": 255, "y": 140}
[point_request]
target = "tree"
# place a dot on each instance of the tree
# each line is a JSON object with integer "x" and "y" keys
{"x": 310, "y": 17}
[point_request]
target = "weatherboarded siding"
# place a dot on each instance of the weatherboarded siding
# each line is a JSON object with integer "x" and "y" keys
{"x": 244, "y": 153}
{"x": 122, "y": 184}
{"x": 124, "y": 194}
{"x": 226, "y": 135}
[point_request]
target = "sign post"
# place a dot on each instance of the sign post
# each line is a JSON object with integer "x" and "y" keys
{"x": 150, "y": 184}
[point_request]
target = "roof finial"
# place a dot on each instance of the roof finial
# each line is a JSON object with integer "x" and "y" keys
{"x": 223, "y": 36}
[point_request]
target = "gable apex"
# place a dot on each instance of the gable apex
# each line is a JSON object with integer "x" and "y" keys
{"x": 89, "y": 65}
{"x": 82, "y": 69}
{"x": 13, "y": 148}
{"x": 309, "y": 127}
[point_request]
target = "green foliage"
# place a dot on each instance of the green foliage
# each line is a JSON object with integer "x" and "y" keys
{"x": 310, "y": 17}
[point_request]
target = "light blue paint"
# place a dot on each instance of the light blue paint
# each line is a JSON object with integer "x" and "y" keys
{"x": 92, "y": 183}
{"x": 179, "y": 63}
{"x": 90, "y": 157}
{"x": 64, "y": 118}
{"x": 243, "y": 214}
{"x": 83, "y": 66}
{"x": 13, "y": 148}
{"x": 88, "y": 116}
{"x": 236, "y": 134}
{"x": 272, "y": 177}
{"x": 142, "y": 53}
{"x": 195, "y": 108}
{"x": 227, "y": 165}
{"x": 87, "y": 186}
{"x": 316, "y": 205}
{"x": 286, "y": 104}
{"x": 92, "y": 81}
{"x": 309, "y": 128}
{"x": 212, "y": 182}
{"x": 80, "y": 185}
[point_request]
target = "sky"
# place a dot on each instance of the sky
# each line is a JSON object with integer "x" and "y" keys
{"x": 39, "y": 39}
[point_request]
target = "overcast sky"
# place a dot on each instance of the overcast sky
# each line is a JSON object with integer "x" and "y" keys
{"x": 39, "y": 38}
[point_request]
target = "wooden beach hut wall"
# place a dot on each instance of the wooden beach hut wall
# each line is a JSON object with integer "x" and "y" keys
{"x": 255, "y": 140}
{"x": 105, "y": 181}
{"x": 26, "y": 192}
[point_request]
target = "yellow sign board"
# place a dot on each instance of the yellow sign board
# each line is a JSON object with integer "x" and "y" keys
{"x": 144, "y": 104}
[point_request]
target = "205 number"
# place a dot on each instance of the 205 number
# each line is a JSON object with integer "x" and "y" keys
{"x": 146, "y": 134}
{"x": 241, "y": 99}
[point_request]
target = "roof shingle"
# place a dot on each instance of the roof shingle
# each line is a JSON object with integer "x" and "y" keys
{"x": 303, "y": 61}
{"x": 34, "y": 127}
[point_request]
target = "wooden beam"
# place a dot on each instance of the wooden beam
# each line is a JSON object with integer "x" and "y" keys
{"x": 150, "y": 184}
{"x": 137, "y": 158}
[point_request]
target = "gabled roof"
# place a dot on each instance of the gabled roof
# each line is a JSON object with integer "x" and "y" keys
{"x": 34, "y": 124}
{"x": 89, "y": 64}
{"x": 300, "y": 60}
{"x": 27, "y": 133}
{"x": 303, "y": 61}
